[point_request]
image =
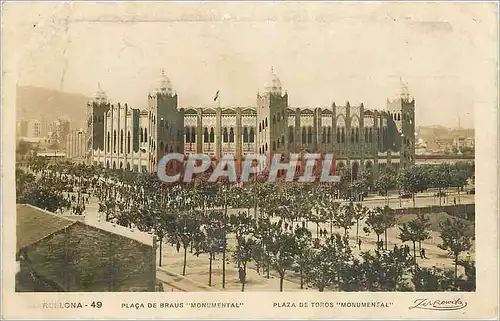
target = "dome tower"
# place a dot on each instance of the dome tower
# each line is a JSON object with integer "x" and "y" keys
{"x": 272, "y": 117}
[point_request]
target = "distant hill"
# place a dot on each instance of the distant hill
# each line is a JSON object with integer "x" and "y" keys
{"x": 436, "y": 131}
{"x": 42, "y": 103}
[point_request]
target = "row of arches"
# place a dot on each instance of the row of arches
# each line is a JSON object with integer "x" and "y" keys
{"x": 118, "y": 148}
{"x": 326, "y": 135}
{"x": 228, "y": 135}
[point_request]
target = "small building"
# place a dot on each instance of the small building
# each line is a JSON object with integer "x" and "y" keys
{"x": 57, "y": 254}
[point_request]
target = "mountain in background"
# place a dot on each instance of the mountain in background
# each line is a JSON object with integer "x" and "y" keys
{"x": 47, "y": 104}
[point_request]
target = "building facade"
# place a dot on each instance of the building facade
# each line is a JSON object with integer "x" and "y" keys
{"x": 76, "y": 145}
{"x": 360, "y": 138}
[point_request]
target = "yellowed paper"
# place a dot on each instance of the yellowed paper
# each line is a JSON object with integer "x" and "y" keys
{"x": 116, "y": 86}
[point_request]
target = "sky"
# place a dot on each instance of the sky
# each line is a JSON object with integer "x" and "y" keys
{"x": 322, "y": 52}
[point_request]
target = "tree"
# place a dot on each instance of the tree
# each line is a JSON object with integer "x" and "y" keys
{"x": 389, "y": 219}
{"x": 359, "y": 213}
{"x": 412, "y": 180}
{"x": 386, "y": 271}
{"x": 43, "y": 196}
{"x": 359, "y": 188}
{"x": 317, "y": 214}
{"x": 440, "y": 177}
{"x": 456, "y": 239}
{"x": 469, "y": 283}
{"x": 415, "y": 231}
{"x": 431, "y": 280}
{"x": 212, "y": 237}
{"x": 283, "y": 250}
{"x": 459, "y": 178}
{"x": 184, "y": 229}
{"x": 243, "y": 227}
{"x": 375, "y": 222}
{"x": 385, "y": 182}
{"x": 303, "y": 239}
{"x": 345, "y": 217}
{"x": 245, "y": 252}
{"x": 262, "y": 233}
{"x": 327, "y": 263}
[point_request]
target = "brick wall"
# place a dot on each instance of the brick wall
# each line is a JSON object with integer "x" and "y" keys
{"x": 84, "y": 258}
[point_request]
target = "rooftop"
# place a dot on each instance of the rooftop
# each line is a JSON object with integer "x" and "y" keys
{"x": 35, "y": 224}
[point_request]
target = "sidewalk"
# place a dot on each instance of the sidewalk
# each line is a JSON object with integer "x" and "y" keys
{"x": 179, "y": 282}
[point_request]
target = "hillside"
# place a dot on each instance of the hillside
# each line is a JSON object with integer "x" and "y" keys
{"x": 43, "y": 103}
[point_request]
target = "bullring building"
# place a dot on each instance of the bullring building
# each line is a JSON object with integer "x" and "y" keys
{"x": 122, "y": 137}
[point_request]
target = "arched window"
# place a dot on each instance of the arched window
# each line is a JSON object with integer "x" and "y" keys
{"x": 205, "y": 135}
{"x": 224, "y": 135}
{"x": 371, "y": 135}
{"x": 366, "y": 135}
{"x": 343, "y": 135}
{"x": 188, "y": 135}
{"x": 212, "y": 135}
{"x": 399, "y": 116}
{"x": 193, "y": 134}
{"x": 231, "y": 135}
{"x": 304, "y": 135}
{"x": 121, "y": 141}
{"x": 329, "y": 135}
{"x": 274, "y": 146}
{"x": 114, "y": 141}
{"x": 338, "y": 135}
{"x": 352, "y": 135}
{"x": 290, "y": 134}
{"x": 260, "y": 150}
{"x": 128, "y": 142}
{"x": 357, "y": 135}
{"x": 260, "y": 128}
{"x": 266, "y": 124}
{"x": 266, "y": 147}
{"x": 161, "y": 145}
{"x": 278, "y": 143}
{"x": 323, "y": 136}
{"x": 142, "y": 135}
{"x": 252, "y": 135}
{"x": 245, "y": 135}
{"x": 309, "y": 135}
{"x": 283, "y": 139}
{"x": 109, "y": 141}
{"x": 145, "y": 135}
{"x": 274, "y": 119}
